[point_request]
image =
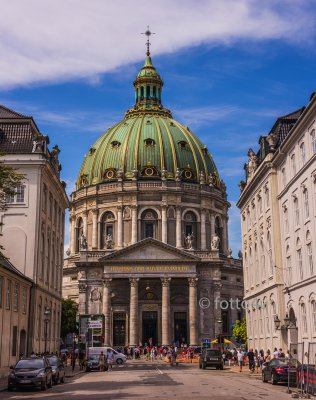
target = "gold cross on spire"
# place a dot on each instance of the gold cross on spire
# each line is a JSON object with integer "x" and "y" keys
{"x": 148, "y": 33}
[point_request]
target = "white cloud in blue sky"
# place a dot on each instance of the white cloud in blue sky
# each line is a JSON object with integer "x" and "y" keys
{"x": 230, "y": 68}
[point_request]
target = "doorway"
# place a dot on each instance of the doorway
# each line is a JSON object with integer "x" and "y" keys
{"x": 180, "y": 328}
{"x": 119, "y": 329}
{"x": 150, "y": 328}
{"x": 23, "y": 342}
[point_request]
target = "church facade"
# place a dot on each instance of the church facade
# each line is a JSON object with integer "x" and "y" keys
{"x": 149, "y": 254}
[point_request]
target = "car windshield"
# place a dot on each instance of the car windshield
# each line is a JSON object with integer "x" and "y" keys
{"x": 213, "y": 353}
{"x": 36, "y": 364}
{"x": 283, "y": 362}
{"x": 94, "y": 357}
{"x": 53, "y": 361}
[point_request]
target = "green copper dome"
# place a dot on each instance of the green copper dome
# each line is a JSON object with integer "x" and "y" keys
{"x": 148, "y": 143}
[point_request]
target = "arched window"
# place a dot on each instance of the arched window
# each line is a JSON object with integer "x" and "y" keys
{"x": 299, "y": 259}
{"x": 107, "y": 230}
{"x": 190, "y": 227}
{"x": 293, "y": 164}
{"x": 79, "y": 232}
{"x": 283, "y": 171}
{"x": 303, "y": 153}
{"x": 148, "y": 92}
{"x": 309, "y": 253}
{"x": 296, "y": 211}
{"x": 306, "y": 203}
{"x": 251, "y": 278}
{"x": 274, "y": 313}
{"x": 48, "y": 261}
{"x": 42, "y": 260}
{"x": 304, "y": 318}
{"x": 257, "y": 273}
{"x": 266, "y": 313}
{"x": 39, "y": 319}
{"x": 267, "y": 194}
{"x": 219, "y": 233}
{"x": 141, "y": 92}
{"x": 154, "y": 92}
{"x": 149, "y": 222}
{"x": 286, "y": 220}
{"x": 288, "y": 266}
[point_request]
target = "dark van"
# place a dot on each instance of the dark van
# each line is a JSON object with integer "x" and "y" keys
{"x": 211, "y": 358}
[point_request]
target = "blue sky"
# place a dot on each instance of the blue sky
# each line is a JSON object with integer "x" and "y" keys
{"x": 230, "y": 68}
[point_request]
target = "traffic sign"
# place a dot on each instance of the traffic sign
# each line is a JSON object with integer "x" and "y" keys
{"x": 206, "y": 340}
{"x": 95, "y": 324}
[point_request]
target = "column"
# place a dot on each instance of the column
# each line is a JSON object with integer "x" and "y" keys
{"x": 107, "y": 311}
{"x": 217, "y": 309}
{"x": 133, "y": 313}
{"x": 134, "y": 224}
{"x": 85, "y": 223}
{"x": 72, "y": 235}
{"x": 225, "y": 236}
{"x": 165, "y": 312}
{"x": 203, "y": 230}
{"x": 178, "y": 228}
{"x": 164, "y": 223}
{"x": 193, "y": 310}
{"x": 95, "y": 228}
{"x": 212, "y": 226}
{"x": 119, "y": 227}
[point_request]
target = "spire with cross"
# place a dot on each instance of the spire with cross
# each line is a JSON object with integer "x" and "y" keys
{"x": 148, "y": 33}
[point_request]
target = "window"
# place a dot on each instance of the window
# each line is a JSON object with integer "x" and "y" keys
{"x": 149, "y": 142}
{"x": 24, "y": 300}
{"x": 270, "y": 253}
{"x": 44, "y": 204}
{"x": 313, "y": 309}
{"x": 313, "y": 137}
{"x": 263, "y": 260}
{"x": 182, "y": 144}
{"x": 260, "y": 204}
{"x": 265, "y": 305}
{"x": 14, "y": 340}
{"x": 257, "y": 272}
{"x": 18, "y": 196}
{"x": 286, "y": 220}
{"x": 107, "y": 230}
{"x": 299, "y": 259}
{"x": 309, "y": 253}
{"x": 267, "y": 193}
{"x": 8, "y": 295}
{"x": 79, "y": 233}
{"x": 149, "y": 224}
{"x": 296, "y": 211}
{"x": 293, "y": 164}
{"x": 306, "y": 203}
{"x": 42, "y": 258}
{"x": 303, "y": 153}
{"x": 47, "y": 261}
{"x": 16, "y": 297}
{"x": 1, "y": 290}
{"x": 288, "y": 266}
{"x": 50, "y": 206}
{"x": 283, "y": 172}
{"x": 304, "y": 318}
{"x": 274, "y": 313}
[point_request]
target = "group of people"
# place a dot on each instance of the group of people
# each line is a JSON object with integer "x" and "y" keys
{"x": 255, "y": 358}
{"x": 106, "y": 360}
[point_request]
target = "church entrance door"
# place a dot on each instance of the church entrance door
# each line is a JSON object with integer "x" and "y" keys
{"x": 119, "y": 329}
{"x": 150, "y": 328}
{"x": 180, "y": 328}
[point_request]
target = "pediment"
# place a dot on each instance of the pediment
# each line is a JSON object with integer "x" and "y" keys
{"x": 150, "y": 250}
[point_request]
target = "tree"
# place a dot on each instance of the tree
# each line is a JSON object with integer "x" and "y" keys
{"x": 10, "y": 179}
{"x": 240, "y": 331}
{"x": 69, "y": 323}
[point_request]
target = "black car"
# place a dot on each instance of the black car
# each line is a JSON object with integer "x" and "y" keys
{"x": 280, "y": 370}
{"x": 31, "y": 372}
{"x": 58, "y": 369}
{"x": 211, "y": 358}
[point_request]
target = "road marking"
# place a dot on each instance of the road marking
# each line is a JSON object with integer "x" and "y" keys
{"x": 160, "y": 372}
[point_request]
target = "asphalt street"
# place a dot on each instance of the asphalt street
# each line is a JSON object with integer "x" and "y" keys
{"x": 155, "y": 380}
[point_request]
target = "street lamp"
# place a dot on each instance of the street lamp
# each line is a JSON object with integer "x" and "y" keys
{"x": 286, "y": 322}
{"x": 46, "y": 321}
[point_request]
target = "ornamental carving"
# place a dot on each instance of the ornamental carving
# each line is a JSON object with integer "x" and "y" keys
{"x": 81, "y": 275}
{"x": 165, "y": 282}
{"x": 95, "y": 295}
{"x": 193, "y": 282}
{"x": 82, "y": 287}
{"x": 133, "y": 282}
{"x": 107, "y": 282}
{"x": 269, "y": 222}
{"x": 252, "y": 164}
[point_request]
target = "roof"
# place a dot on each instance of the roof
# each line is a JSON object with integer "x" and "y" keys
{"x": 6, "y": 264}
{"x": 7, "y": 113}
{"x": 284, "y": 124}
{"x": 16, "y": 137}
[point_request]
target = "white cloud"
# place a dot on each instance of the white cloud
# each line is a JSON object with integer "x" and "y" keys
{"x": 58, "y": 40}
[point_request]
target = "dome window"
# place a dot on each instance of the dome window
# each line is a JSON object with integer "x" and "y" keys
{"x": 183, "y": 145}
{"x": 115, "y": 144}
{"x": 149, "y": 171}
{"x": 149, "y": 142}
{"x": 148, "y": 122}
{"x": 110, "y": 174}
{"x": 91, "y": 150}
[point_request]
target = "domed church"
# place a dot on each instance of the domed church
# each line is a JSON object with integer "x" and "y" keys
{"x": 149, "y": 251}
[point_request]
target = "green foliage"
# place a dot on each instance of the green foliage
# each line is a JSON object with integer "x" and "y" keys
{"x": 68, "y": 317}
{"x": 240, "y": 331}
{"x": 9, "y": 180}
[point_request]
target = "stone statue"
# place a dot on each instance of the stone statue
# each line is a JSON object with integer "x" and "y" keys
{"x": 229, "y": 252}
{"x": 95, "y": 295}
{"x": 68, "y": 252}
{"x": 135, "y": 174}
{"x": 83, "y": 242}
{"x": 212, "y": 180}
{"x": 81, "y": 275}
{"x": 252, "y": 163}
{"x": 163, "y": 174}
{"x": 272, "y": 141}
{"x": 202, "y": 178}
{"x": 178, "y": 175}
{"x": 119, "y": 174}
{"x": 240, "y": 254}
{"x": 215, "y": 242}
{"x": 242, "y": 185}
{"x": 39, "y": 144}
{"x": 108, "y": 241}
{"x": 189, "y": 241}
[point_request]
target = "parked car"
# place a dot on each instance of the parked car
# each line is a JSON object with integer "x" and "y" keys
{"x": 31, "y": 372}
{"x": 58, "y": 369}
{"x": 119, "y": 358}
{"x": 93, "y": 364}
{"x": 279, "y": 369}
{"x": 211, "y": 358}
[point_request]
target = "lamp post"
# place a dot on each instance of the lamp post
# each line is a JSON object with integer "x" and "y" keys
{"x": 46, "y": 321}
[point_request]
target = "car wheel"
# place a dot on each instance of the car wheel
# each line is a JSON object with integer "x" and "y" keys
{"x": 62, "y": 380}
{"x": 263, "y": 378}
{"x": 203, "y": 366}
{"x": 44, "y": 385}
{"x": 119, "y": 361}
{"x": 273, "y": 380}
{"x": 56, "y": 380}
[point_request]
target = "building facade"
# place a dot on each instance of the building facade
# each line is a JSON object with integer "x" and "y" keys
{"x": 34, "y": 218}
{"x": 149, "y": 249}
{"x": 278, "y": 210}
{"x": 15, "y": 295}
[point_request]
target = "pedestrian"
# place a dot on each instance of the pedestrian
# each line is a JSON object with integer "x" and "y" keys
{"x": 267, "y": 356}
{"x": 281, "y": 354}
{"x": 81, "y": 359}
{"x": 102, "y": 362}
{"x": 240, "y": 359}
{"x": 275, "y": 353}
{"x": 251, "y": 360}
{"x": 110, "y": 359}
{"x": 73, "y": 360}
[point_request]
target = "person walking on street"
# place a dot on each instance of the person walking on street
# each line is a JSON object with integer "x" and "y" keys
{"x": 110, "y": 359}
{"x": 102, "y": 361}
{"x": 251, "y": 360}
{"x": 240, "y": 359}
